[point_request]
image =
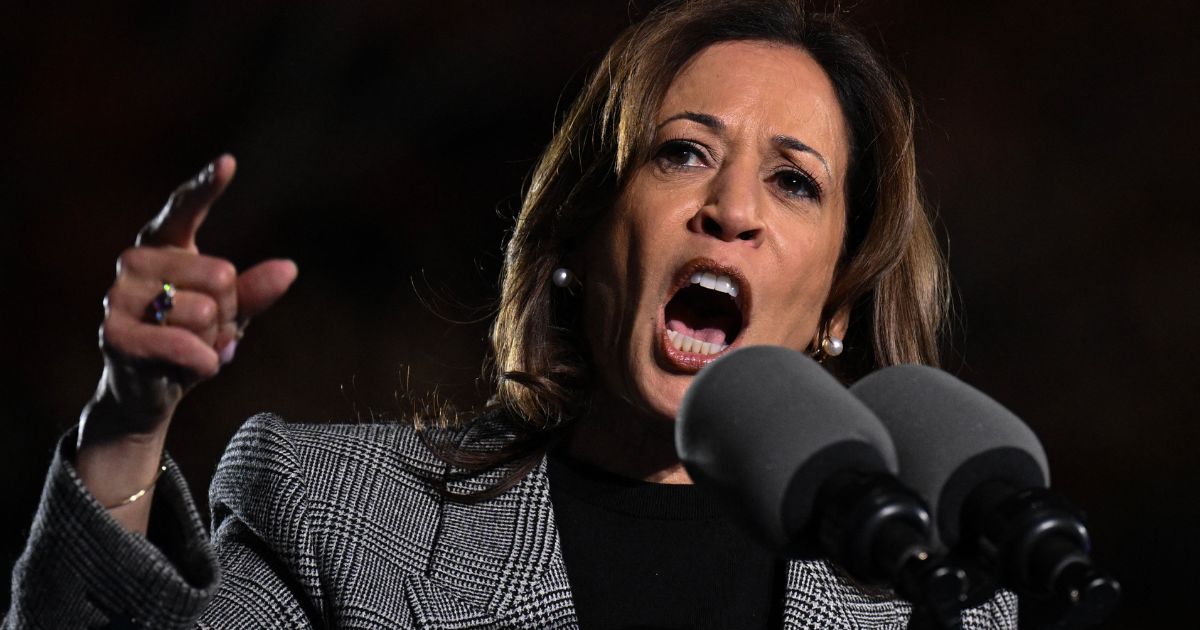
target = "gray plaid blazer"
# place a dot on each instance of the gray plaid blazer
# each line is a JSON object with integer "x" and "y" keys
{"x": 334, "y": 526}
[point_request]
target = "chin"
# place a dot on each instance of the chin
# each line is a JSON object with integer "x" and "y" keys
{"x": 660, "y": 393}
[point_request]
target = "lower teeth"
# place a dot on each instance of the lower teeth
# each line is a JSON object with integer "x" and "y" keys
{"x": 689, "y": 344}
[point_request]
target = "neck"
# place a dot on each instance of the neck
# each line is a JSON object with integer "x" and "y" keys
{"x": 627, "y": 441}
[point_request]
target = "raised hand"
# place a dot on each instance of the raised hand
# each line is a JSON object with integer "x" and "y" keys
{"x": 150, "y": 364}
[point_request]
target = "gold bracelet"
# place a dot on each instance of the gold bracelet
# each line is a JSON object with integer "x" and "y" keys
{"x": 162, "y": 468}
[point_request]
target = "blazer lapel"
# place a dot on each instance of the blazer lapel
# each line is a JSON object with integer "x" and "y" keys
{"x": 433, "y": 607}
{"x": 816, "y": 596}
{"x": 497, "y": 563}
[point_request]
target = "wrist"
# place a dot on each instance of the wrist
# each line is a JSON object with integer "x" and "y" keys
{"x": 106, "y": 422}
{"x": 116, "y": 470}
{"x": 120, "y": 467}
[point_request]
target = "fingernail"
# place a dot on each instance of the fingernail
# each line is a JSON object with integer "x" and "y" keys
{"x": 205, "y": 176}
{"x": 227, "y": 352}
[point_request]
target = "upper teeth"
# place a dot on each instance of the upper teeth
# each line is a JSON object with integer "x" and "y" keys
{"x": 722, "y": 283}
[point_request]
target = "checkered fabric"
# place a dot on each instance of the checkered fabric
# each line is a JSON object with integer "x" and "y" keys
{"x": 334, "y": 526}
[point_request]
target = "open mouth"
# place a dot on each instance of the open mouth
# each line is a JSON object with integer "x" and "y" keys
{"x": 705, "y": 314}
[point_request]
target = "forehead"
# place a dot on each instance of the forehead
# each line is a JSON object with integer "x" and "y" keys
{"x": 765, "y": 87}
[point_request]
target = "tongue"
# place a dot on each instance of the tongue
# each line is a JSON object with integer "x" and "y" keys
{"x": 703, "y": 333}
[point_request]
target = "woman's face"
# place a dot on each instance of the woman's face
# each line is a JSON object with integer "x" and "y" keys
{"x": 729, "y": 234}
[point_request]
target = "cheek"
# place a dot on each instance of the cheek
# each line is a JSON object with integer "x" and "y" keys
{"x": 803, "y": 315}
{"x": 601, "y": 303}
{"x": 605, "y": 270}
{"x": 600, "y": 306}
{"x": 810, "y": 279}
{"x": 623, "y": 254}
{"x": 624, "y": 259}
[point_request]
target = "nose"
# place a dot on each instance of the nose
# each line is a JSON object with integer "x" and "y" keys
{"x": 731, "y": 210}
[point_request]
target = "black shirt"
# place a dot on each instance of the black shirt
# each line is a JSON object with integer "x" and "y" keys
{"x": 648, "y": 555}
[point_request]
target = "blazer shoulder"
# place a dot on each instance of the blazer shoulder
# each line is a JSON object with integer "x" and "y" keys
{"x": 311, "y": 493}
{"x": 338, "y": 463}
{"x": 394, "y": 443}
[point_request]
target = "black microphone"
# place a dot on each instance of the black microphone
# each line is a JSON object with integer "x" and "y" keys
{"x": 812, "y": 470}
{"x": 984, "y": 474}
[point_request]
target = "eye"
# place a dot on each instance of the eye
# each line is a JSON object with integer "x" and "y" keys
{"x": 680, "y": 154}
{"x": 797, "y": 183}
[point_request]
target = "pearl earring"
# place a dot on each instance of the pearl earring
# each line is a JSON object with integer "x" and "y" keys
{"x": 832, "y": 346}
{"x": 563, "y": 278}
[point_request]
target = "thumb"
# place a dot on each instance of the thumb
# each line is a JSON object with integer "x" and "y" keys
{"x": 262, "y": 285}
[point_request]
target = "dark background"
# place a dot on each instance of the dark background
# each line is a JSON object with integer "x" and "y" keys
{"x": 383, "y": 146}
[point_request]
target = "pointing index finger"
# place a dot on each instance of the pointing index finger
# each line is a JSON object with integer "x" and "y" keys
{"x": 179, "y": 220}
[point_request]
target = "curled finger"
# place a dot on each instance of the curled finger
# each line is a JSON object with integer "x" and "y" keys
{"x": 154, "y": 303}
{"x": 131, "y": 338}
{"x": 193, "y": 311}
{"x": 150, "y": 267}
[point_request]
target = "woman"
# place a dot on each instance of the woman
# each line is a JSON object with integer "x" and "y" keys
{"x": 733, "y": 174}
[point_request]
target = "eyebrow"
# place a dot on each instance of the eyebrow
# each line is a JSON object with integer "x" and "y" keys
{"x": 708, "y": 120}
{"x": 714, "y": 123}
{"x": 789, "y": 142}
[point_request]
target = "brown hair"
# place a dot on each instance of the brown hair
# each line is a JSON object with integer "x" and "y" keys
{"x": 891, "y": 277}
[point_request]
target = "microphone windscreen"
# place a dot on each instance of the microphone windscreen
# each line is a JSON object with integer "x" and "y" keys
{"x": 950, "y": 438}
{"x": 764, "y": 426}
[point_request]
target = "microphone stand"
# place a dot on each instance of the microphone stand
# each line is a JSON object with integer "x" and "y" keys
{"x": 880, "y": 531}
{"x": 1035, "y": 542}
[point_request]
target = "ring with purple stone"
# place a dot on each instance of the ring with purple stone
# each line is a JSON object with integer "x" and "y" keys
{"x": 163, "y": 303}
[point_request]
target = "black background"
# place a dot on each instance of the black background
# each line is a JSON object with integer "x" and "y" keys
{"x": 383, "y": 146}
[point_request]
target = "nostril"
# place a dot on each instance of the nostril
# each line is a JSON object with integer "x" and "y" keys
{"x": 724, "y": 230}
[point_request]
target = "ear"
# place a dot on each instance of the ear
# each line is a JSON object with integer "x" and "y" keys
{"x": 839, "y": 323}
